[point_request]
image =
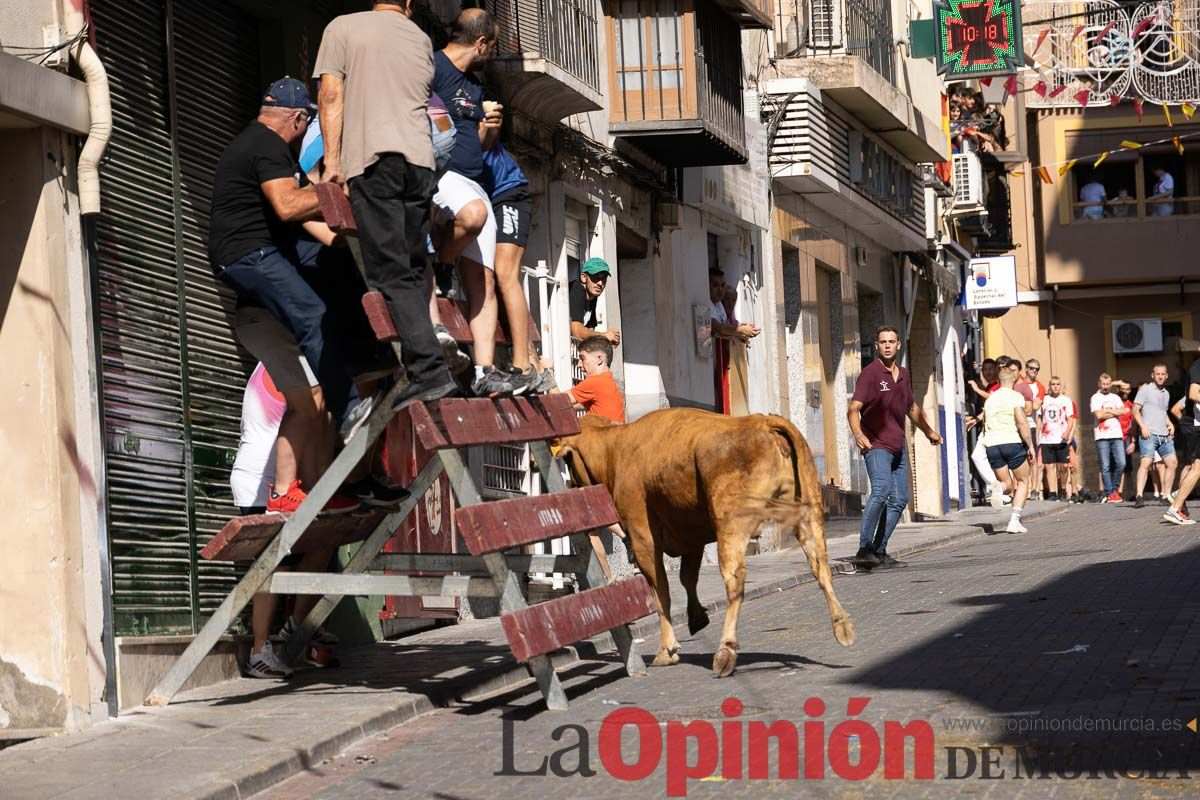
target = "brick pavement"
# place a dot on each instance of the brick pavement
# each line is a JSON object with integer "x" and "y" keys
{"x": 232, "y": 739}
{"x": 1091, "y": 615}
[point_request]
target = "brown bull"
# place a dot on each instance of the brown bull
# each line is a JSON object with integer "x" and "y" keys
{"x": 682, "y": 478}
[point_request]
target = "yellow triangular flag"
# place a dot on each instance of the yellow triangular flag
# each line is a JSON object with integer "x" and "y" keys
{"x": 1044, "y": 174}
{"x": 1128, "y": 145}
{"x": 1065, "y": 168}
{"x": 1016, "y": 173}
{"x": 1188, "y": 109}
{"x": 1100, "y": 160}
{"x": 1167, "y": 114}
{"x": 1178, "y": 144}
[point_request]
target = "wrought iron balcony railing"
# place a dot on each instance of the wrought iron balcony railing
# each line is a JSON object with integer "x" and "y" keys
{"x": 863, "y": 28}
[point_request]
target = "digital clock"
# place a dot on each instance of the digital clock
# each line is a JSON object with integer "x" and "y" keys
{"x": 978, "y": 38}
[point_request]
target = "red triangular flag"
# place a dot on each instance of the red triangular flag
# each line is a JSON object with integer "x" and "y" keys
{"x": 1082, "y": 98}
{"x": 1041, "y": 40}
{"x": 1137, "y": 106}
{"x": 1146, "y": 23}
{"x": 986, "y": 81}
{"x": 1011, "y": 84}
{"x": 1100, "y": 36}
{"x": 1075, "y": 35}
{"x": 1058, "y": 91}
{"x": 1114, "y": 100}
{"x": 1040, "y": 89}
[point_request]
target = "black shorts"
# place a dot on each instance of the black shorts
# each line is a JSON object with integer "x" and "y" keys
{"x": 514, "y": 215}
{"x": 1056, "y": 453}
{"x": 1006, "y": 455}
{"x": 1191, "y": 443}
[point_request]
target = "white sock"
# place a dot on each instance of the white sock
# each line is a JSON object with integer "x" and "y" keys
{"x": 1016, "y": 513}
{"x": 478, "y": 372}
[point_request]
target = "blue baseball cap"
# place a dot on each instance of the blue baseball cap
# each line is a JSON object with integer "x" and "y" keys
{"x": 289, "y": 93}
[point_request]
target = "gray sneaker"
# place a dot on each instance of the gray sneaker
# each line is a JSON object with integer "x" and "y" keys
{"x": 266, "y": 664}
{"x": 494, "y": 383}
{"x": 456, "y": 359}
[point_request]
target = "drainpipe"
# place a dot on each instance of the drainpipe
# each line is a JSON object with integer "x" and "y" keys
{"x": 99, "y": 106}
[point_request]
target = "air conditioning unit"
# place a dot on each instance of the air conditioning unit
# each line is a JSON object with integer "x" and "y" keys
{"x": 1137, "y": 336}
{"x": 968, "y": 183}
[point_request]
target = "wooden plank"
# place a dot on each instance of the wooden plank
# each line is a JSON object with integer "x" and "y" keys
{"x": 548, "y": 626}
{"x": 380, "y": 316}
{"x": 245, "y": 538}
{"x": 465, "y": 423}
{"x": 469, "y": 564}
{"x": 492, "y": 527}
{"x": 335, "y": 208}
{"x": 454, "y": 317}
{"x": 362, "y": 585}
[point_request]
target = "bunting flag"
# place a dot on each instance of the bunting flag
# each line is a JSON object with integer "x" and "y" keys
{"x": 1114, "y": 100}
{"x": 1167, "y": 114}
{"x": 1082, "y": 98}
{"x": 1138, "y": 106}
{"x": 1075, "y": 35}
{"x": 1058, "y": 91}
{"x": 1016, "y": 173}
{"x": 1065, "y": 168}
{"x": 1040, "y": 89}
{"x": 1040, "y": 40}
{"x": 1044, "y": 174}
{"x": 1141, "y": 26}
{"x": 1128, "y": 145}
{"x": 986, "y": 81}
{"x": 1188, "y": 109}
{"x": 1100, "y": 160}
{"x": 1011, "y": 85}
{"x": 1178, "y": 144}
{"x": 1107, "y": 29}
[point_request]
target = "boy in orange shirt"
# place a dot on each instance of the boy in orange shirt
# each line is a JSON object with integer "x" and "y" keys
{"x": 598, "y": 393}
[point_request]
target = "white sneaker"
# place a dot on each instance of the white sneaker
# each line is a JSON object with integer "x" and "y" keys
{"x": 1015, "y": 526}
{"x": 997, "y": 500}
{"x": 265, "y": 664}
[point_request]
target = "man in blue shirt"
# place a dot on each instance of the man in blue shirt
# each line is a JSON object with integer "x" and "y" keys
{"x": 463, "y": 218}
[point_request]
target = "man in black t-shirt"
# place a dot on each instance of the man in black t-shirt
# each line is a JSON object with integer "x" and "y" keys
{"x": 296, "y": 295}
{"x": 583, "y": 294}
{"x": 1190, "y": 457}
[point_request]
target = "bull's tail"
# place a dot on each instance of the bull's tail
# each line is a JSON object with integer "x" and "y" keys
{"x": 803, "y": 514}
{"x": 804, "y": 470}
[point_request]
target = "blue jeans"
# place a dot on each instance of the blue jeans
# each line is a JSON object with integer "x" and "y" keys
{"x": 1111, "y": 453}
{"x": 888, "y": 473}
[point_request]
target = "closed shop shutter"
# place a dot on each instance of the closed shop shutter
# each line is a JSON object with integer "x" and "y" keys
{"x": 184, "y": 80}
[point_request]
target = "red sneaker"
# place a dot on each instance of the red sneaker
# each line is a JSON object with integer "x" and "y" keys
{"x": 289, "y": 501}
{"x": 1115, "y": 497}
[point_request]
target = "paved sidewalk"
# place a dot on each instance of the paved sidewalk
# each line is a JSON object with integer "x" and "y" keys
{"x": 236, "y": 738}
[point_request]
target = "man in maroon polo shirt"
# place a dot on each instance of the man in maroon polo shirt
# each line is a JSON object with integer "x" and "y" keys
{"x": 882, "y": 399}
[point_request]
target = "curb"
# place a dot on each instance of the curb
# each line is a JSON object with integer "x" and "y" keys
{"x": 504, "y": 676}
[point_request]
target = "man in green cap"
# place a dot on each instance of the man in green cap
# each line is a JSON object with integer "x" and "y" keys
{"x": 583, "y": 294}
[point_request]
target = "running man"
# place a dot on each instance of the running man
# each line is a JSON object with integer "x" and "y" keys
{"x": 1009, "y": 444}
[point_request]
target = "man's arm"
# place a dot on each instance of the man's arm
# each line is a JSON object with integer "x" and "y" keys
{"x": 917, "y": 415}
{"x": 1023, "y": 430}
{"x": 579, "y": 331}
{"x": 1137, "y": 417}
{"x": 332, "y": 97}
{"x": 290, "y": 202}
{"x": 854, "y": 417}
{"x": 322, "y": 233}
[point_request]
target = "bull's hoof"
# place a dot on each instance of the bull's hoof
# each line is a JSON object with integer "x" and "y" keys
{"x": 666, "y": 657}
{"x": 843, "y": 630}
{"x": 697, "y": 622}
{"x": 724, "y": 662}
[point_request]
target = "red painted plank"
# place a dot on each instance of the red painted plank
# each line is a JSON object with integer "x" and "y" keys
{"x": 380, "y": 317}
{"x": 491, "y": 527}
{"x": 464, "y": 423}
{"x": 454, "y": 317}
{"x": 244, "y": 538}
{"x": 335, "y": 208}
{"x": 546, "y": 627}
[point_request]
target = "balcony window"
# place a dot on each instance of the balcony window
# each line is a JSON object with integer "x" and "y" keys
{"x": 862, "y": 28}
{"x": 1135, "y": 185}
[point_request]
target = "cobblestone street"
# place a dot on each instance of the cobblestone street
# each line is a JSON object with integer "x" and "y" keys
{"x": 1007, "y": 641}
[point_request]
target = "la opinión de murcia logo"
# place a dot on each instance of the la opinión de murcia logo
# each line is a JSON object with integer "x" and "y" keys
{"x": 632, "y": 745}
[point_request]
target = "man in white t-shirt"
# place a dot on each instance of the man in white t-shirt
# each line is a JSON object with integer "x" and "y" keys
{"x": 1093, "y": 192}
{"x": 1164, "y": 192}
{"x": 1107, "y": 406}
{"x": 1054, "y": 435}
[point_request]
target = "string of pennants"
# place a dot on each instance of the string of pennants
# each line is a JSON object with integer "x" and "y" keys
{"x": 1043, "y": 171}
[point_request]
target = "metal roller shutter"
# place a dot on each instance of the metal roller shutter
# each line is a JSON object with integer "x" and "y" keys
{"x": 184, "y": 79}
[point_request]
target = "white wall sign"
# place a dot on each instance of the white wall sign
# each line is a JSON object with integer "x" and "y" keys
{"x": 991, "y": 283}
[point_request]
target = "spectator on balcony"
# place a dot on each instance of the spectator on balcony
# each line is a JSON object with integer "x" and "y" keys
{"x": 464, "y": 223}
{"x": 1122, "y": 204}
{"x": 1095, "y": 195}
{"x": 583, "y": 296}
{"x": 1160, "y": 202}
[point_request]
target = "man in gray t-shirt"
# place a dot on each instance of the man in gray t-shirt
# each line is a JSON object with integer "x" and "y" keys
{"x": 1156, "y": 434}
{"x": 376, "y": 68}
